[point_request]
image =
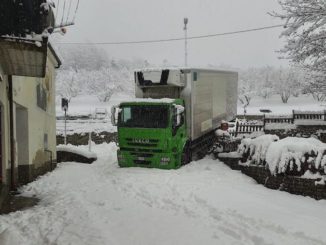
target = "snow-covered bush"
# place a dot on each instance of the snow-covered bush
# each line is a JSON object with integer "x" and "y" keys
{"x": 254, "y": 150}
{"x": 294, "y": 155}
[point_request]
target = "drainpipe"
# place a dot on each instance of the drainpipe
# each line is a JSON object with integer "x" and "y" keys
{"x": 11, "y": 129}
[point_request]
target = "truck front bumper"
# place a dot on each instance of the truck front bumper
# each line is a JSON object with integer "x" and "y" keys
{"x": 149, "y": 160}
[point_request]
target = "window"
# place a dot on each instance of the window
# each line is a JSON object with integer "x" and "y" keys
{"x": 41, "y": 97}
{"x": 143, "y": 116}
{"x": 195, "y": 76}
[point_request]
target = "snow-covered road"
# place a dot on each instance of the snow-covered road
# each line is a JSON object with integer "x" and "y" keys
{"x": 202, "y": 203}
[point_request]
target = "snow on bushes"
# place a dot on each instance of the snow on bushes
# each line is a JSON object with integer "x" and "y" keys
{"x": 294, "y": 154}
{"x": 255, "y": 150}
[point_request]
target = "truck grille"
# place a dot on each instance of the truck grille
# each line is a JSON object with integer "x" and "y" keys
{"x": 142, "y": 142}
{"x": 142, "y": 162}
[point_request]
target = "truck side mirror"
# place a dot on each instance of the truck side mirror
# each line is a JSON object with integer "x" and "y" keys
{"x": 177, "y": 118}
{"x": 178, "y": 114}
{"x": 114, "y": 120}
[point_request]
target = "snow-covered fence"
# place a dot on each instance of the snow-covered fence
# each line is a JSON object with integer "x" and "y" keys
{"x": 246, "y": 128}
{"x": 281, "y": 122}
{"x": 278, "y": 119}
{"x": 309, "y": 115}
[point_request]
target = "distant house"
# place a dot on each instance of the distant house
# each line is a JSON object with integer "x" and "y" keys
{"x": 29, "y": 149}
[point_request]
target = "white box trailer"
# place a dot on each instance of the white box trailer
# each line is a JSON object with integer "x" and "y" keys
{"x": 210, "y": 95}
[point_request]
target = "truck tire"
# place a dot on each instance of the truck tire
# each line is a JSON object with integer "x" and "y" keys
{"x": 186, "y": 155}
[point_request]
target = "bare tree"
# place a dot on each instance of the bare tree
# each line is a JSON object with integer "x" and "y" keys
{"x": 316, "y": 86}
{"x": 284, "y": 83}
{"x": 67, "y": 84}
{"x": 305, "y": 22}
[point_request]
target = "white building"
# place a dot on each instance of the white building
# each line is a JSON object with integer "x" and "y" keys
{"x": 31, "y": 151}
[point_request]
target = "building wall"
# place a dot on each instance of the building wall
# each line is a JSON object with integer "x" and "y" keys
{"x": 34, "y": 123}
{"x": 5, "y": 127}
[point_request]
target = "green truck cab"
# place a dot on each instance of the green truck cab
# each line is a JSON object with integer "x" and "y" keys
{"x": 174, "y": 116}
{"x": 152, "y": 133}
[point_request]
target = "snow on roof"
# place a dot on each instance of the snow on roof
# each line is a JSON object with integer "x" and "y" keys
{"x": 76, "y": 150}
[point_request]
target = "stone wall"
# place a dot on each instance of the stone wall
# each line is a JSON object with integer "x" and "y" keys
{"x": 291, "y": 184}
{"x": 82, "y": 139}
{"x": 65, "y": 156}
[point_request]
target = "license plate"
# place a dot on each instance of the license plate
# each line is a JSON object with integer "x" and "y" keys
{"x": 141, "y": 158}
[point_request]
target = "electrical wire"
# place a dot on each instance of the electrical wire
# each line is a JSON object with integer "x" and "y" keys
{"x": 69, "y": 8}
{"x": 63, "y": 12}
{"x": 175, "y": 39}
{"x": 57, "y": 10}
{"x": 76, "y": 10}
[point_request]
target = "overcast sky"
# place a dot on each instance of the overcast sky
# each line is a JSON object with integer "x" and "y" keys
{"x": 129, "y": 20}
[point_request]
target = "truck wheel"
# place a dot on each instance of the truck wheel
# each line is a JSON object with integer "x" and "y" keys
{"x": 186, "y": 155}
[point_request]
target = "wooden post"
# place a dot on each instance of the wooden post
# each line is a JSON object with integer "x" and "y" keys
{"x": 293, "y": 116}
{"x": 236, "y": 128}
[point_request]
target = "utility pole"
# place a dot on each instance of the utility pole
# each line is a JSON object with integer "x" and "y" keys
{"x": 185, "y": 21}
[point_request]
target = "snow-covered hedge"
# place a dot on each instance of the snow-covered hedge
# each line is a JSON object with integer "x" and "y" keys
{"x": 254, "y": 150}
{"x": 296, "y": 155}
{"x": 292, "y": 155}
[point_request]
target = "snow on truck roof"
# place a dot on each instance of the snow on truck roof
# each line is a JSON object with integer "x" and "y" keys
{"x": 158, "y": 69}
{"x": 149, "y": 100}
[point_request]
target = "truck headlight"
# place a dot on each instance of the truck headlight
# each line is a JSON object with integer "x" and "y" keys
{"x": 165, "y": 160}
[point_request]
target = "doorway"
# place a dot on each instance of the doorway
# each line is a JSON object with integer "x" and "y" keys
{"x": 22, "y": 135}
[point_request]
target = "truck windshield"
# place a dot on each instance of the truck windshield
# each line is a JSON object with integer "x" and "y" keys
{"x": 144, "y": 116}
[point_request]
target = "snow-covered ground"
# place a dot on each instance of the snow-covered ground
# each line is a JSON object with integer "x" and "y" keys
{"x": 204, "y": 202}
{"x": 274, "y": 103}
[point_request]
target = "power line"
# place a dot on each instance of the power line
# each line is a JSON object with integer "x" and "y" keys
{"x": 68, "y": 11}
{"x": 63, "y": 12}
{"x": 76, "y": 10}
{"x": 57, "y": 11}
{"x": 175, "y": 39}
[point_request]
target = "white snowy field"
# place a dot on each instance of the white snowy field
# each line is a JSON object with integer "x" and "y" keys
{"x": 87, "y": 104}
{"x": 274, "y": 103}
{"x": 204, "y": 202}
